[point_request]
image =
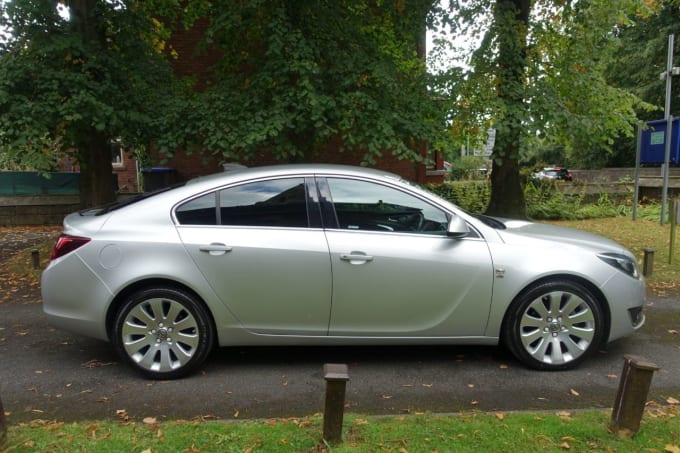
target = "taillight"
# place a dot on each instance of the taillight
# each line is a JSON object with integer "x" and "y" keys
{"x": 66, "y": 244}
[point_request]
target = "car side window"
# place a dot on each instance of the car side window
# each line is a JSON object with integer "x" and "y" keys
{"x": 199, "y": 211}
{"x": 271, "y": 203}
{"x": 363, "y": 205}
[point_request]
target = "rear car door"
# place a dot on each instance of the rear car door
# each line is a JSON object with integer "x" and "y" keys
{"x": 395, "y": 272}
{"x": 264, "y": 253}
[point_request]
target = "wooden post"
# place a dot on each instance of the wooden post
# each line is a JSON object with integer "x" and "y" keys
{"x": 631, "y": 397}
{"x": 3, "y": 425}
{"x": 35, "y": 256}
{"x": 336, "y": 377}
{"x": 648, "y": 262}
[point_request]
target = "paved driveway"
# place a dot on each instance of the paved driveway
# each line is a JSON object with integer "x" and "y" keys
{"x": 50, "y": 374}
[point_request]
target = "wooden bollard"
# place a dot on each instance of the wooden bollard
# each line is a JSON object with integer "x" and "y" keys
{"x": 631, "y": 397}
{"x": 3, "y": 425}
{"x": 35, "y": 257}
{"x": 648, "y": 262}
{"x": 336, "y": 376}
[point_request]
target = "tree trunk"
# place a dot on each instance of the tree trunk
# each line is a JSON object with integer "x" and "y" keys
{"x": 96, "y": 180}
{"x": 94, "y": 153}
{"x": 511, "y": 18}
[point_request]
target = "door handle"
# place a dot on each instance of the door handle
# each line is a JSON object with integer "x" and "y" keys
{"x": 356, "y": 257}
{"x": 215, "y": 248}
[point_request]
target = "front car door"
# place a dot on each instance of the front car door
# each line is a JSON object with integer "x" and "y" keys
{"x": 395, "y": 272}
{"x": 263, "y": 253}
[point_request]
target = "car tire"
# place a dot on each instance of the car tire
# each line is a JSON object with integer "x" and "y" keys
{"x": 554, "y": 325}
{"x": 164, "y": 333}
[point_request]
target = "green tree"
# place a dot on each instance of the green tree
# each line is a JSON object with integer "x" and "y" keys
{"x": 540, "y": 67}
{"x": 297, "y": 76}
{"x": 74, "y": 76}
{"x": 637, "y": 63}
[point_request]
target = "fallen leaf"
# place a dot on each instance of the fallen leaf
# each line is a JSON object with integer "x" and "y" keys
{"x": 574, "y": 392}
{"x": 361, "y": 421}
{"x": 503, "y": 367}
{"x": 612, "y": 376}
{"x": 672, "y": 448}
{"x": 471, "y": 386}
{"x": 565, "y": 446}
{"x": 500, "y": 415}
{"x": 673, "y": 332}
{"x": 236, "y": 414}
{"x": 427, "y": 385}
{"x": 149, "y": 420}
{"x": 386, "y": 397}
{"x": 564, "y": 415}
{"x": 672, "y": 400}
{"x": 474, "y": 403}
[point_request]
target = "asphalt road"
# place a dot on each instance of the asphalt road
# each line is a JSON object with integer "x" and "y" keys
{"x": 51, "y": 374}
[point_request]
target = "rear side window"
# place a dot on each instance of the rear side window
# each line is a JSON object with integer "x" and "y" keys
{"x": 277, "y": 203}
{"x": 199, "y": 211}
{"x": 272, "y": 203}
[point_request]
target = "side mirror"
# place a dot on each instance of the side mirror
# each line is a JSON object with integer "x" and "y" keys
{"x": 457, "y": 227}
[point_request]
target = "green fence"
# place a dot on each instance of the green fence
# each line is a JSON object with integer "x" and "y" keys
{"x": 34, "y": 183}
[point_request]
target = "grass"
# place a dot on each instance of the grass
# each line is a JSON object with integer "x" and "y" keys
{"x": 469, "y": 432}
{"x": 638, "y": 235}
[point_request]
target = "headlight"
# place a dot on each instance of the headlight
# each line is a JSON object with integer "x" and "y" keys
{"x": 621, "y": 262}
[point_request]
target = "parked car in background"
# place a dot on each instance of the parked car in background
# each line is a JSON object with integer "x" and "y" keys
{"x": 331, "y": 255}
{"x": 558, "y": 173}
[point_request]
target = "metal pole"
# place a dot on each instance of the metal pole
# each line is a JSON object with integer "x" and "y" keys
{"x": 638, "y": 148}
{"x": 669, "y": 127}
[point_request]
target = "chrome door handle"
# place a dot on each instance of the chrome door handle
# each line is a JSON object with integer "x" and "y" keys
{"x": 215, "y": 248}
{"x": 356, "y": 258}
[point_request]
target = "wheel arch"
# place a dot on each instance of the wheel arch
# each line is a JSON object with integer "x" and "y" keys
{"x": 122, "y": 296}
{"x": 594, "y": 290}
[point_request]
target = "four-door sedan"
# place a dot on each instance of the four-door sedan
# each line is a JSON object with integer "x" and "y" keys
{"x": 331, "y": 255}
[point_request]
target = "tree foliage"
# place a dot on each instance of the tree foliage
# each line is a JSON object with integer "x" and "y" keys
{"x": 295, "y": 77}
{"x": 541, "y": 66}
{"x": 75, "y": 76}
{"x": 639, "y": 60}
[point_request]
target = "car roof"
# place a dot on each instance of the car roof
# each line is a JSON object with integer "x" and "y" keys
{"x": 246, "y": 173}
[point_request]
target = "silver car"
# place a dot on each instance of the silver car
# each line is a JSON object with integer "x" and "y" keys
{"x": 331, "y": 255}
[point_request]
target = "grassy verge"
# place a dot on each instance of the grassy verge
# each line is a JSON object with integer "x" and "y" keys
{"x": 470, "y": 432}
{"x": 636, "y": 236}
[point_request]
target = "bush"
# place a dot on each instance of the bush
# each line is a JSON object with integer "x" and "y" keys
{"x": 545, "y": 201}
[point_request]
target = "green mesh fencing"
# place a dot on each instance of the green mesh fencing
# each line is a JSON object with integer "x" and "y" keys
{"x": 34, "y": 183}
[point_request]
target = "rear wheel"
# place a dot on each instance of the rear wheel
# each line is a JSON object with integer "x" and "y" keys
{"x": 554, "y": 326}
{"x": 164, "y": 333}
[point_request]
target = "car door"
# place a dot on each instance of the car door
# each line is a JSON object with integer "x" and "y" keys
{"x": 395, "y": 271}
{"x": 261, "y": 255}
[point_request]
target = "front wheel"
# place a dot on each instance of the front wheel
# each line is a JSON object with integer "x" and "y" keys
{"x": 164, "y": 333}
{"x": 554, "y": 325}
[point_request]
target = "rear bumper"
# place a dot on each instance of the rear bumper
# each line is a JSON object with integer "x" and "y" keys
{"x": 76, "y": 306}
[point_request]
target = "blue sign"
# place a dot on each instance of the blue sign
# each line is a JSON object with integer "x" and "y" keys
{"x": 653, "y": 149}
